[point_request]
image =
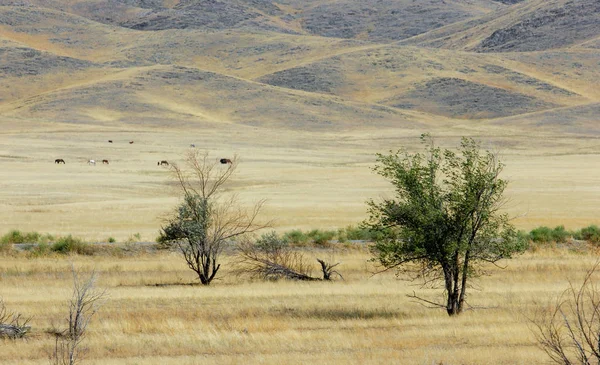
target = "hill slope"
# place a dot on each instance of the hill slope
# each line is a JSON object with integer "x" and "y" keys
{"x": 267, "y": 63}
{"x": 534, "y": 25}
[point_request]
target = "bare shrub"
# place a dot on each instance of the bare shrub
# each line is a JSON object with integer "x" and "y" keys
{"x": 206, "y": 221}
{"x": 85, "y": 302}
{"x": 276, "y": 261}
{"x": 12, "y": 324}
{"x": 569, "y": 332}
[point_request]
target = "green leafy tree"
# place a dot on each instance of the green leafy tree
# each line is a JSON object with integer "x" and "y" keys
{"x": 444, "y": 220}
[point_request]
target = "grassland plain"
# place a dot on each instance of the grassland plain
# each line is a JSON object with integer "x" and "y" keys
{"x": 152, "y": 315}
{"x": 311, "y": 180}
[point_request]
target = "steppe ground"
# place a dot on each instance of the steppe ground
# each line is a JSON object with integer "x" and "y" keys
{"x": 310, "y": 179}
{"x": 363, "y": 320}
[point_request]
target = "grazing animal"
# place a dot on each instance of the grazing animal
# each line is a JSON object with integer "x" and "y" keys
{"x": 130, "y": 142}
{"x": 105, "y": 162}
{"x": 225, "y": 161}
{"x": 110, "y": 141}
{"x": 192, "y": 145}
{"x": 92, "y": 162}
{"x": 163, "y": 162}
{"x": 59, "y": 161}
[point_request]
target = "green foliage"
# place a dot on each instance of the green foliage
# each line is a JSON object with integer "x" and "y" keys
{"x": 590, "y": 234}
{"x": 270, "y": 242}
{"x": 444, "y": 216}
{"x": 364, "y": 234}
{"x": 16, "y": 236}
{"x": 544, "y": 234}
{"x": 70, "y": 244}
{"x": 296, "y": 237}
{"x": 320, "y": 237}
{"x": 111, "y": 240}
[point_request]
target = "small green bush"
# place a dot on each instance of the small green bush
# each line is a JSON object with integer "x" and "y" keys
{"x": 111, "y": 240}
{"x": 590, "y": 234}
{"x": 296, "y": 237}
{"x": 271, "y": 242}
{"x": 14, "y": 236}
{"x": 70, "y": 244}
{"x": 321, "y": 237}
{"x": 360, "y": 234}
{"x": 341, "y": 235}
{"x": 544, "y": 234}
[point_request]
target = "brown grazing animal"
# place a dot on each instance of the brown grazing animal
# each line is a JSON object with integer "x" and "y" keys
{"x": 225, "y": 161}
{"x": 163, "y": 162}
{"x": 105, "y": 162}
{"x": 59, "y": 161}
{"x": 130, "y": 142}
{"x": 110, "y": 141}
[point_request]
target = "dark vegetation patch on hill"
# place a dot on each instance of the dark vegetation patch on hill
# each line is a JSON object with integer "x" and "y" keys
{"x": 460, "y": 98}
{"x": 24, "y": 61}
{"x": 208, "y": 14}
{"x": 520, "y": 78}
{"x": 547, "y": 28}
{"x": 382, "y": 20}
{"x": 379, "y": 20}
{"x": 319, "y": 77}
{"x": 577, "y": 119}
{"x": 533, "y": 25}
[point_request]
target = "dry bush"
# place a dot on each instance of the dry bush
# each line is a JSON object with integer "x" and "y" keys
{"x": 85, "y": 302}
{"x": 12, "y": 324}
{"x": 569, "y": 332}
{"x": 206, "y": 221}
{"x": 277, "y": 261}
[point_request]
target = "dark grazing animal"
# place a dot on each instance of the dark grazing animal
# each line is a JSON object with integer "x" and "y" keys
{"x": 110, "y": 141}
{"x": 130, "y": 142}
{"x": 163, "y": 162}
{"x": 105, "y": 162}
{"x": 225, "y": 161}
{"x": 59, "y": 161}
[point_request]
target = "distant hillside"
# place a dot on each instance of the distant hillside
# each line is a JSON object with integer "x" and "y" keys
{"x": 459, "y": 85}
{"x": 180, "y": 96}
{"x": 385, "y": 20}
{"x": 300, "y": 64}
{"x": 533, "y": 25}
{"x": 381, "y": 20}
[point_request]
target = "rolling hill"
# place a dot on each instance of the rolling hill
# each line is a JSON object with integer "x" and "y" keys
{"x": 534, "y": 25}
{"x": 297, "y": 64}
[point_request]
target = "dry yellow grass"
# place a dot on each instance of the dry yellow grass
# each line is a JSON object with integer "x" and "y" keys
{"x": 363, "y": 320}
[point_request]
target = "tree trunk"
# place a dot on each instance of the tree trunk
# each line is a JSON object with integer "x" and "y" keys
{"x": 451, "y": 289}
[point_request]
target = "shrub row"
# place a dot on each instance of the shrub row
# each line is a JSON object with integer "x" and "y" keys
{"x": 44, "y": 244}
{"x": 559, "y": 234}
{"x": 323, "y": 237}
